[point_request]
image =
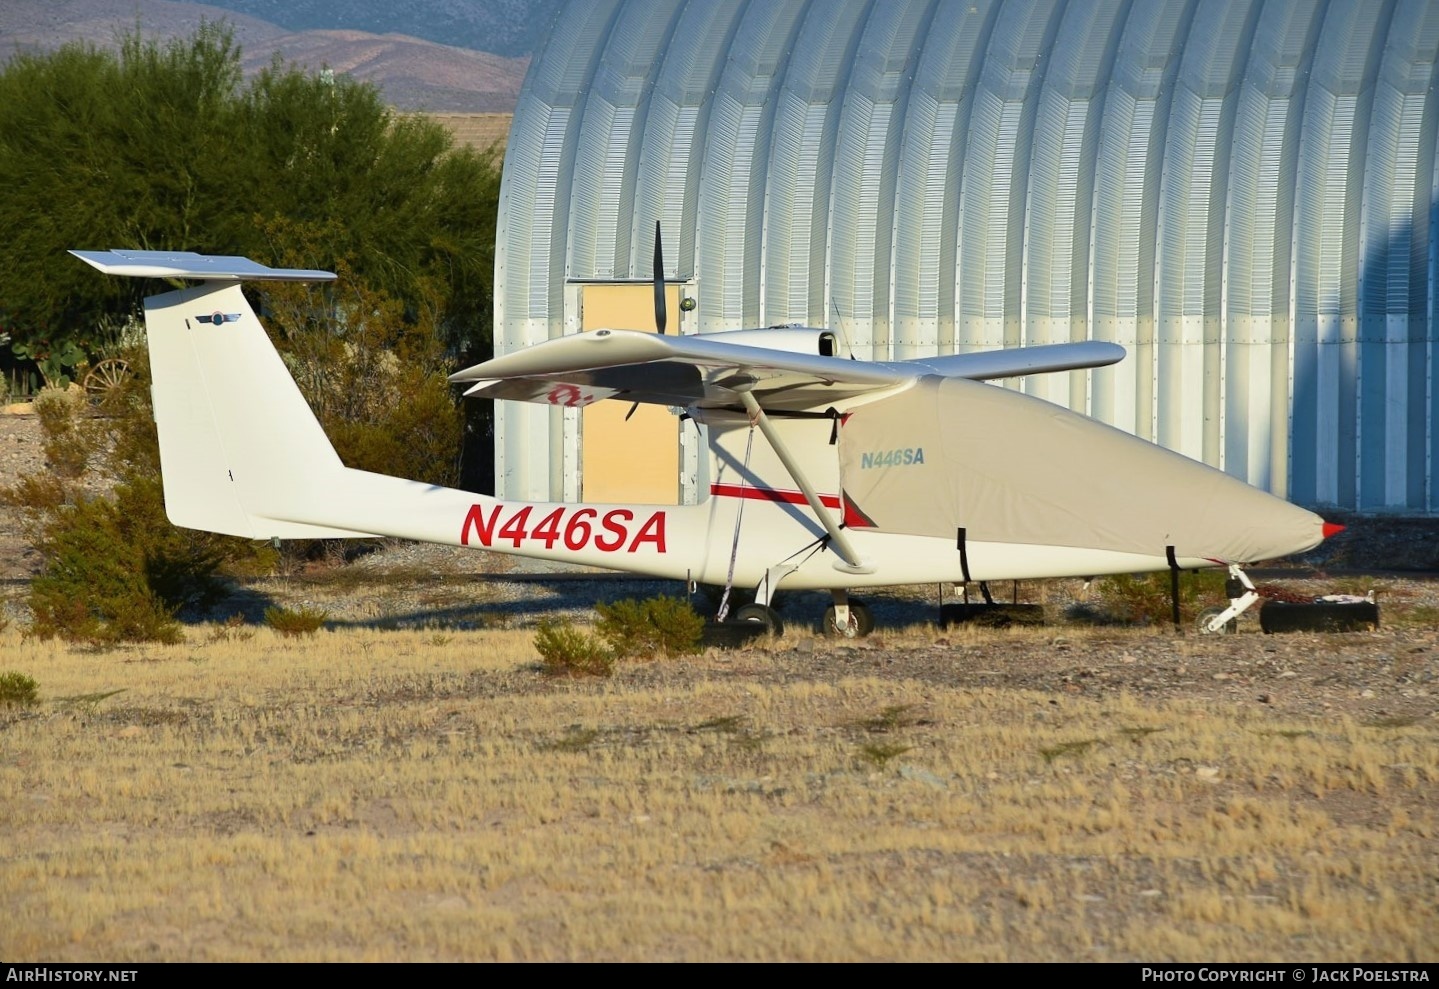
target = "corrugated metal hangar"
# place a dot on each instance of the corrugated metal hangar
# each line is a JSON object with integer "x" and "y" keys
{"x": 1241, "y": 192}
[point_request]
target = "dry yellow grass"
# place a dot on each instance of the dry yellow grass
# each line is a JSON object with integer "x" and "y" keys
{"x": 368, "y": 795}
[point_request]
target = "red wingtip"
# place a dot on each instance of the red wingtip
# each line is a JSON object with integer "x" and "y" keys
{"x": 1332, "y": 529}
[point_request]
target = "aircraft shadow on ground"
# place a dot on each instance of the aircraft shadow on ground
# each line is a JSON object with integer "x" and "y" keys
{"x": 534, "y": 598}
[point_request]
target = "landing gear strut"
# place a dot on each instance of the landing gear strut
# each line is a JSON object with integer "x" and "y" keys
{"x": 1241, "y": 593}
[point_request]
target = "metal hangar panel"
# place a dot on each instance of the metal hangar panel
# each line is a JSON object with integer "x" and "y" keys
{"x": 1241, "y": 192}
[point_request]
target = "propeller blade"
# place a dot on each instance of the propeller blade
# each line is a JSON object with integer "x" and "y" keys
{"x": 660, "y": 314}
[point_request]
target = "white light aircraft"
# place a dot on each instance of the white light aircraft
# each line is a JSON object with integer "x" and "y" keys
{"x": 864, "y": 474}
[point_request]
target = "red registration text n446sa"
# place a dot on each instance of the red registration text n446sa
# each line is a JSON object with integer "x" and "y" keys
{"x": 573, "y": 528}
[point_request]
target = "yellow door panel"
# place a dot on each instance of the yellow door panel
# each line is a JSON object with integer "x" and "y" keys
{"x": 638, "y": 459}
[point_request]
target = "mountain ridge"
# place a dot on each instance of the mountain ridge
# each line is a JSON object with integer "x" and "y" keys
{"x": 512, "y": 28}
{"x": 413, "y": 73}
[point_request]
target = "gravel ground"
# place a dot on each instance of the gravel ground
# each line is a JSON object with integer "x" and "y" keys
{"x": 20, "y": 454}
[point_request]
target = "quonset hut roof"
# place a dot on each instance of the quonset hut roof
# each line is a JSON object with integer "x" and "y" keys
{"x": 1242, "y": 192}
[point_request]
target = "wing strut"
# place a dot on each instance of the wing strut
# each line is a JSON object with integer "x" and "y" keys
{"x": 852, "y": 563}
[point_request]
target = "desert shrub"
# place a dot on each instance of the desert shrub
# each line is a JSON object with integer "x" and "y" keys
{"x": 1143, "y": 599}
{"x": 70, "y": 438}
{"x": 624, "y": 626}
{"x": 117, "y": 571}
{"x": 18, "y": 690}
{"x": 566, "y": 651}
{"x": 232, "y": 629}
{"x": 656, "y": 626}
{"x": 37, "y": 496}
{"x": 880, "y": 754}
{"x": 297, "y": 621}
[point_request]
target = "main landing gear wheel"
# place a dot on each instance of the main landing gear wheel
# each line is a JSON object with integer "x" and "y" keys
{"x": 1208, "y": 614}
{"x": 761, "y": 614}
{"x": 860, "y": 624}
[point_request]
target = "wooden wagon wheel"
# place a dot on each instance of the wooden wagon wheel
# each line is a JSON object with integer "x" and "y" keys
{"x": 103, "y": 381}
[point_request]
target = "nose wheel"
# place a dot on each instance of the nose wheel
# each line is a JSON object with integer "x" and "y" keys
{"x": 847, "y": 619}
{"x": 1207, "y": 617}
{"x": 1241, "y": 593}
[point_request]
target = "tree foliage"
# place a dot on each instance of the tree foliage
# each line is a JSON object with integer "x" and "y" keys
{"x": 163, "y": 146}
{"x": 374, "y": 374}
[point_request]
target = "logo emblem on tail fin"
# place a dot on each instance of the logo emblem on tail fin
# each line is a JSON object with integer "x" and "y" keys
{"x": 220, "y": 317}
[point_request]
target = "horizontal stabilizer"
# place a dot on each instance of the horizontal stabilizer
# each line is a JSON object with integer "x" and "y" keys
{"x": 186, "y": 264}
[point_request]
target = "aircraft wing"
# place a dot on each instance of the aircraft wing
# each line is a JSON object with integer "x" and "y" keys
{"x": 985, "y": 365}
{"x": 582, "y": 368}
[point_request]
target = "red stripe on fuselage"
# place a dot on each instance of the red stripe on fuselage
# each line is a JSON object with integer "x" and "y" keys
{"x": 769, "y": 494}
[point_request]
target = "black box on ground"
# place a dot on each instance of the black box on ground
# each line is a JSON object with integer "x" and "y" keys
{"x": 1320, "y": 616}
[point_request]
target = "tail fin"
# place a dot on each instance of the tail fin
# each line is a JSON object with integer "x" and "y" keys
{"x": 240, "y": 450}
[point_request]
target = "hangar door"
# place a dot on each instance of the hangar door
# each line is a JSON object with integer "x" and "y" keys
{"x": 638, "y": 459}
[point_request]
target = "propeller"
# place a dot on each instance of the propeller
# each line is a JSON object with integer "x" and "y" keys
{"x": 661, "y": 313}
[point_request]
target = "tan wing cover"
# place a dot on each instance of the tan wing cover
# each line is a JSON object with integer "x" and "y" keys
{"x": 950, "y": 454}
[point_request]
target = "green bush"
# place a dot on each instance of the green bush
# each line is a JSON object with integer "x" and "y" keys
{"x": 296, "y": 622}
{"x": 116, "y": 570}
{"x": 18, "y": 690}
{"x": 657, "y": 626}
{"x": 70, "y": 439}
{"x": 1143, "y": 599}
{"x": 566, "y": 651}
{"x": 879, "y": 754}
